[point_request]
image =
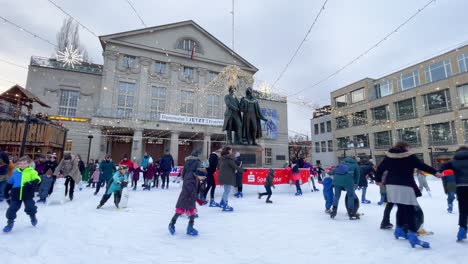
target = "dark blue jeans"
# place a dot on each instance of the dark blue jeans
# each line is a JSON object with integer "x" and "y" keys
{"x": 450, "y": 198}
{"x": 349, "y": 193}
{"x": 30, "y": 209}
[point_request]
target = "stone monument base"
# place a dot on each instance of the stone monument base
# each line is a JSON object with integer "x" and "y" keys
{"x": 252, "y": 156}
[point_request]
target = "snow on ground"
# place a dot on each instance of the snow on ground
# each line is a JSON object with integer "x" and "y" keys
{"x": 292, "y": 229}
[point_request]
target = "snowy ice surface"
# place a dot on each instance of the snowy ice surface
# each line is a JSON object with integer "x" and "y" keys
{"x": 291, "y": 230}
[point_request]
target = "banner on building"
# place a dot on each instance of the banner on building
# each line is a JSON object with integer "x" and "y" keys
{"x": 191, "y": 120}
{"x": 270, "y": 127}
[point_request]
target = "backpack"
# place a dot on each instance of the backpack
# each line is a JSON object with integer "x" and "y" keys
{"x": 342, "y": 169}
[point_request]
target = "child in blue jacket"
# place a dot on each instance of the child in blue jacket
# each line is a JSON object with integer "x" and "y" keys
{"x": 328, "y": 192}
{"x": 21, "y": 185}
{"x": 119, "y": 181}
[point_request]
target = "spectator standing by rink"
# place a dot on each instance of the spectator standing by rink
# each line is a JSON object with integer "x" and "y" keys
{"x": 167, "y": 163}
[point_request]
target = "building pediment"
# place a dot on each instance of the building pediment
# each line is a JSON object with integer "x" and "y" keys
{"x": 178, "y": 39}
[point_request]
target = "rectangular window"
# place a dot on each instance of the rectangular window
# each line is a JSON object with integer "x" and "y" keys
{"x": 438, "y": 71}
{"x": 442, "y": 134}
{"x": 317, "y": 147}
{"x": 357, "y": 96}
{"x": 68, "y": 103}
{"x": 158, "y": 101}
{"x": 406, "y": 109}
{"x": 268, "y": 156}
{"x": 186, "y": 102}
{"x": 463, "y": 62}
{"x": 125, "y": 99}
{"x": 383, "y": 140}
{"x": 437, "y": 102}
{"x": 329, "y": 129}
{"x": 342, "y": 122}
{"x": 341, "y": 101}
{"x": 360, "y": 118}
{"x": 361, "y": 141}
{"x": 324, "y": 146}
{"x": 322, "y": 128}
{"x": 68, "y": 145}
{"x": 213, "y": 109}
{"x": 465, "y": 130}
{"x": 316, "y": 129}
{"x": 408, "y": 80}
{"x": 160, "y": 67}
{"x": 211, "y": 76}
{"x": 463, "y": 94}
{"x": 330, "y": 145}
{"x": 411, "y": 135}
{"x": 380, "y": 114}
{"x": 128, "y": 61}
{"x": 188, "y": 72}
{"x": 384, "y": 88}
{"x": 342, "y": 142}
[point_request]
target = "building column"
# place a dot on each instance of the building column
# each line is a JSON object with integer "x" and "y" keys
{"x": 137, "y": 144}
{"x": 206, "y": 146}
{"x": 97, "y": 149}
{"x": 174, "y": 146}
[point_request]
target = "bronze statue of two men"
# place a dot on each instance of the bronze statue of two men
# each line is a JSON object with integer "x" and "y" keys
{"x": 243, "y": 118}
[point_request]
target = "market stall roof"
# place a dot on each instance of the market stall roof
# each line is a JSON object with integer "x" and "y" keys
{"x": 18, "y": 94}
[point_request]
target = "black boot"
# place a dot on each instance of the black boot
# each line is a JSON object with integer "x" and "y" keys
{"x": 333, "y": 212}
{"x": 353, "y": 215}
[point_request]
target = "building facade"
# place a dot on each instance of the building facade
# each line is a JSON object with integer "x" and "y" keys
{"x": 152, "y": 93}
{"x": 323, "y": 150}
{"x": 424, "y": 105}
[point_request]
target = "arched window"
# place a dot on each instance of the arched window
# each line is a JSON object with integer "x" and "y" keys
{"x": 188, "y": 44}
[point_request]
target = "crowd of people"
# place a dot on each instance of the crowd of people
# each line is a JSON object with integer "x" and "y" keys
{"x": 20, "y": 179}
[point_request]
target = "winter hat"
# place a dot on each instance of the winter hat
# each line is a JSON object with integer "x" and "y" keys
{"x": 237, "y": 154}
{"x": 122, "y": 167}
{"x": 447, "y": 173}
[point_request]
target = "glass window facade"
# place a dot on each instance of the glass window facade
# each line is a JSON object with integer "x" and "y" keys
{"x": 68, "y": 103}
{"x": 442, "y": 134}
{"x": 383, "y": 140}
{"x": 437, "y": 102}
{"x": 384, "y": 88}
{"x": 438, "y": 71}
{"x": 411, "y": 135}
{"x": 360, "y": 118}
{"x": 406, "y": 109}
{"x": 463, "y": 62}
{"x": 342, "y": 122}
{"x": 126, "y": 99}
{"x": 380, "y": 114}
{"x": 357, "y": 96}
{"x": 408, "y": 80}
{"x": 186, "y": 102}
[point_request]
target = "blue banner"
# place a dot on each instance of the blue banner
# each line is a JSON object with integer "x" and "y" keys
{"x": 270, "y": 127}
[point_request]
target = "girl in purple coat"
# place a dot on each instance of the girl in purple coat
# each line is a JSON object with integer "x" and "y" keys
{"x": 135, "y": 175}
{"x": 149, "y": 175}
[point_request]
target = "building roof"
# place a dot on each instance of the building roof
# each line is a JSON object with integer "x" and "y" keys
{"x": 105, "y": 38}
{"x": 84, "y": 67}
{"x": 17, "y": 94}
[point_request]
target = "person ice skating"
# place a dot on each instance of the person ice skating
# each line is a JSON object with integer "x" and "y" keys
{"x": 422, "y": 182}
{"x": 345, "y": 177}
{"x": 52, "y": 165}
{"x": 21, "y": 184}
{"x": 149, "y": 175}
{"x": 210, "y": 181}
{"x": 400, "y": 163}
{"x": 320, "y": 171}
{"x": 459, "y": 165}
{"x": 46, "y": 181}
{"x": 366, "y": 169}
{"x": 69, "y": 169}
{"x": 126, "y": 161}
{"x": 157, "y": 174}
{"x": 450, "y": 188}
{"x": 188, "y": 195}
{"x": 268, "y": 185}
{"x": 115, "y": 187}
{"x": 328, "y": 192}
{"x": 296, "y": 177}
{"x": 238, "y": 176}
{"x": 107, "y": 170}
{"x": 136, "y": 170}
{"x": 227, "y": 176}
{"x": 166, "y": 163}
{"x": 308, "y": 165}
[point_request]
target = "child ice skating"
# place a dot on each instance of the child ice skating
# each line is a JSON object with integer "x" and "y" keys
{"x": 21, "y": 184}
{"x": 149, "y": 175}
{"x": 268, "y": 185}
{"x": 46, "y": 182}
{"x": 119, "y": 179}
{"x": 188, "y": 195}
{"x": 328, "y": 192}
{"x": 296, "y": 177}
{"x": 450, "y": 187}
{"x": 345, "y": 177}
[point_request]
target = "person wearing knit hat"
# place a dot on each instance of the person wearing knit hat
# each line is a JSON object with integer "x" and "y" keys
{"x": 119, "y": 180}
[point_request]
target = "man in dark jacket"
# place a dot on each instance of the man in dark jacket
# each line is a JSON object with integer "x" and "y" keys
{"x": 345, "y": 176}
{"x": 167, "y": 163}
{"x": 227, "y": 175}
{"x": 366, "y": 168}
{"x": 210, "y": 181}
{"x": 459, "y": 165}
{"x": 107, "y": 169}
{"x": 52, "y": 164}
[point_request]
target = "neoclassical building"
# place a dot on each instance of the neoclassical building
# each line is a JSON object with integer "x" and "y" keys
{"x": 151, "y": 94}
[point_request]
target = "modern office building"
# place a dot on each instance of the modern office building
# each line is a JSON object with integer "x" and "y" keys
{"x": 425, "y": 105}
{"x": 322, "y": 150}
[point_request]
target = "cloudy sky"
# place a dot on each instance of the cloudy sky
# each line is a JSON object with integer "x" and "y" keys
{"x": 267, "y": 32}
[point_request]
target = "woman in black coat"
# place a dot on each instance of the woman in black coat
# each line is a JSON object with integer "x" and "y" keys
{"x": 401, "y": 188}
{"x": 188, "y": 195}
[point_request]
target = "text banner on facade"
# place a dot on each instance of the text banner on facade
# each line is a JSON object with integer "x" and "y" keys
{"x": 191, "y": 120}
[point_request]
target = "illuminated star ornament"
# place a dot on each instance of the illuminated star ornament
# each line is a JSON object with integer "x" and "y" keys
{"x": 69, "y": 57}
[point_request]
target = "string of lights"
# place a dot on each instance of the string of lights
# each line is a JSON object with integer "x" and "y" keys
{"x": 14, "y": 64}
{"x": 66, "y": 13}
{"x": 369, "y": 49}
{"x": 300, "y": 44}
{"x": 5, "y": 20}
{"x": 136, "y": 13}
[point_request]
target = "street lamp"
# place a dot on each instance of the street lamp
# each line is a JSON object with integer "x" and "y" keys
{"x": 89, "y": 147}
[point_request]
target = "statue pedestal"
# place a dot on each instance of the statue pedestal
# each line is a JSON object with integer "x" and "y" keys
{"x": 252, "y": 156}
